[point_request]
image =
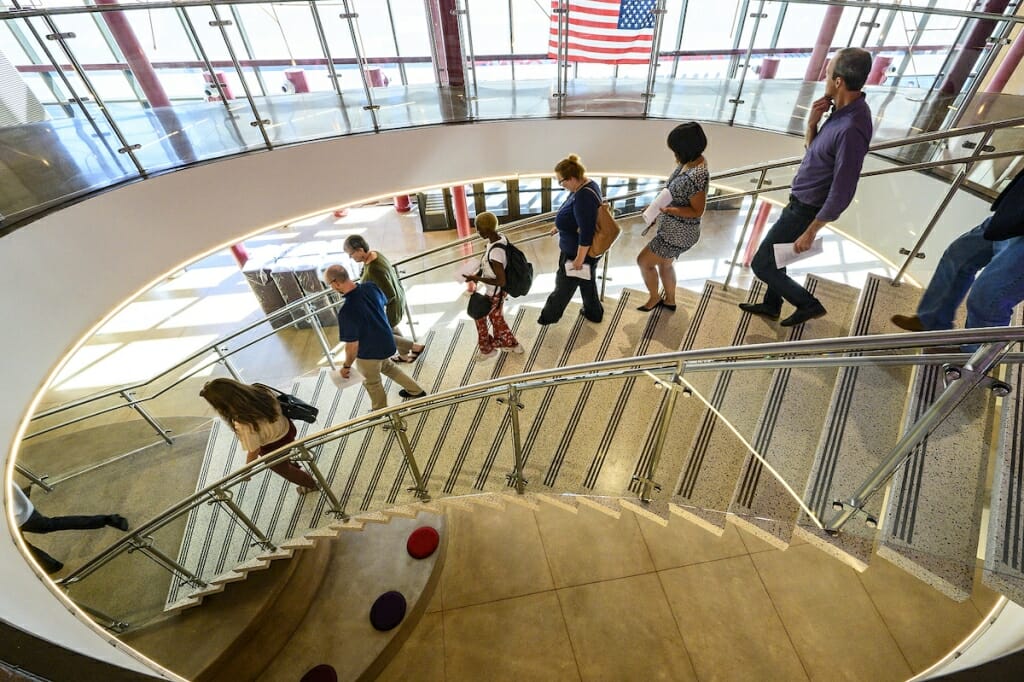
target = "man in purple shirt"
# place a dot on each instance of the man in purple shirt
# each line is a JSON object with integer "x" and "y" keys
{"x": 824, "y": 184}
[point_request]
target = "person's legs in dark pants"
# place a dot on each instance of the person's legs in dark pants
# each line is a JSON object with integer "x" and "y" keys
{"x": 791, "y": 224}
{"x": 592, "y": 308}
{"x": 49, "y": 564}
{"x": 37, "y": 523}
{"x": 565, "y": 287}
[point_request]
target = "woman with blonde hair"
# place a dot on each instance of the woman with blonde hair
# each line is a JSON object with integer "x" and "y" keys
{"x": 575, "y": 225}
{"x": 255, "y": 416}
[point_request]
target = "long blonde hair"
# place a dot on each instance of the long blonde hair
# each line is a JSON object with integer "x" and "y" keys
{"x": 242, "y": 403}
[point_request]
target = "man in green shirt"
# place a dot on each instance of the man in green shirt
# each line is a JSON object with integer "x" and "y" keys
{"x": 380, "y": 271}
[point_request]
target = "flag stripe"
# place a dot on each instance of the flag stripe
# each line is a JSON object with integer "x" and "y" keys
{"x": 605, "y": 31}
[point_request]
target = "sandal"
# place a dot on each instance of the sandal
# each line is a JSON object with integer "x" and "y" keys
{"x": 303, "y": 490}
{"x": 403, "y": 359}
{"x": 413, "y": 353}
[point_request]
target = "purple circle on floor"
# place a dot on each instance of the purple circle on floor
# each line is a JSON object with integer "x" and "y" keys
{"x": 321, "y": 673}
{"x": 388, "y": 611}
{"x": 422, "y": 542}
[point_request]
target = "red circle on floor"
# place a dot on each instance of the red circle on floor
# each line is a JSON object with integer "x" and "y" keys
{"x": 422, "y": 542}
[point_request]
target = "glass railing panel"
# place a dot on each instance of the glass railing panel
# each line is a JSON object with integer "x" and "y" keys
{"x": 57, "y": 143}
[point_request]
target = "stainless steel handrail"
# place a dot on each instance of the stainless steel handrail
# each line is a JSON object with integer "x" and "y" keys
{"x": 709, "y": 359}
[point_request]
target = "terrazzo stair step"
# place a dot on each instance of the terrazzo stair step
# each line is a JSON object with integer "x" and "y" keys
{"x": 657, "y": 511}
{"x": 708, "y": 473}
{"x": 606, "y": 505}
{"x": 301, "y": 542}
{"x": 597, "y": 410}
{"x": 564, "y": 411}
{"x": 403, "y": 512}
{"x": 1004, "y": 548}
{"x": 569, "y": 503}
{"x": 864, "y": 421}
{"x": 717, "y": 322}
{"x": 661, "y": 331}
{"x": 353, "y": 473}
{"x": 483, "y": 427}
{"x": 933, "y": 519}
{"x": 488, "y": 500}
{"x": 445, "y": 460}
{"x": 348, "y": 526}
{"x": 789, "y": 424}
{"x": 526, "y": 500}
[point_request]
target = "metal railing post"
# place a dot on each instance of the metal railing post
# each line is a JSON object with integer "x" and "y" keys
{"x": 604, "y": 272}
{"x": 35, "y": 478}
{"x": 412, "y": 325}
{"x": 225, "y": 497}
{"x": 150, "y": 419}
{"x": 337, "y": 508}
{"x": 954, "y": 187}
{"x": 746, "y": 227}
{"x": 146, "y": 546}
{"x": 225, "y": 359}
{"x": 959, "y": 383}
{"x": 260, "y": 122}
{"x": 746, "y": 59}
{"x": 105, "y": 621}
{"x": 647, "y": 482}
{"x": 516, "y": 477}
{"x": 319, "y": 330}
{"x": 420, "y": 488}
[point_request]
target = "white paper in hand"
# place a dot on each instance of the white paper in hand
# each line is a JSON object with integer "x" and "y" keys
{"x": 341, "y": 383}
{"x": 785, "y": 255}
{"x": 468, "y": 268}
{"x": 652, "y": 212}
{"x": 579, "y": 274}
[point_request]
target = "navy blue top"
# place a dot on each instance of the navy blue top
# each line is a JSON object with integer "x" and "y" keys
{"x": 364, "y": 318}
{"x": 577, "y": 219}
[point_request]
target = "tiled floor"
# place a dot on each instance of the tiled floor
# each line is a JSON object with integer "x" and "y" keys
{"x": 551, "y": 595}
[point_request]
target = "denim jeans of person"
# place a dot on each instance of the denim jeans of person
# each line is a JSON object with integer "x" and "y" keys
{"x": 793, "y": 222}
{"x": 992, "y": 294}
{"x": 565, "y": 287}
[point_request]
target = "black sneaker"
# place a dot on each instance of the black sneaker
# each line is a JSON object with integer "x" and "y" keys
{"x": 804, "y": 314}
{"x": 405, "y": 394}
{"x": 762, "y": 309}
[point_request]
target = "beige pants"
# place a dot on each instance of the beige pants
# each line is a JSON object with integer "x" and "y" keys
{"x": 371, "y": 371}
{"x": 404, "y": 344}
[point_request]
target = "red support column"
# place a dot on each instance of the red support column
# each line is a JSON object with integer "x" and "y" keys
{"x": 240, "y": 254}
{"x": 769, "y": 67}
{"x": 971, "y": 49}
{"x": 462, "y": 226}
{"x": 148, "y": 80}
{"x": 827, "y": 31}
{"x": 878, "y": 69}
{"x": 445, "y": 28}
{"x": 1009, "y": 64}
{"x": 760, "y": 221}
{"x": 403, "y": 204}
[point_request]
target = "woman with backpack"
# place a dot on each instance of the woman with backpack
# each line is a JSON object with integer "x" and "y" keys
{"x": 575, "y": 225}
{"x": 490, "y": 279}
{"x": 254, "y": 414}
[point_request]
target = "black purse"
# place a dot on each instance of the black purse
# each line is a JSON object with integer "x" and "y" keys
{"x": 479, "y": 306}
{"x": 292, "y": 407}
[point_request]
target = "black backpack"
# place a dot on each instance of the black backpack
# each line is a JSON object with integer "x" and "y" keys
{"x": 518, "y": 271}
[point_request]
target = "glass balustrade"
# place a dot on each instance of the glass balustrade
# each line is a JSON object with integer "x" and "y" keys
{"x": 99, "y": 96}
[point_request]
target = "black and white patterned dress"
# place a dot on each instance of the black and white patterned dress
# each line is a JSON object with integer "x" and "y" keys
{"x": 677, "y": 235}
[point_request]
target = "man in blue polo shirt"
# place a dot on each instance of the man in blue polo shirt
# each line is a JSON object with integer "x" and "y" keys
{"x": 824, "y": 184}
{"x": 369, "y": 340}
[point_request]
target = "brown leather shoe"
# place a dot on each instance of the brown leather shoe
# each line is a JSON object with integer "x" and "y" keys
{"x": 911, "y": 323}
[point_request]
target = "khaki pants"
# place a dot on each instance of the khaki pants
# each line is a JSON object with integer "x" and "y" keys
{"x": 404, "y": 344}
{"x": 371, "y": 371}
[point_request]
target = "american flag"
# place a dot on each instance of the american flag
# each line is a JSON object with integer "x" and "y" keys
{"x": 606, "y": 31}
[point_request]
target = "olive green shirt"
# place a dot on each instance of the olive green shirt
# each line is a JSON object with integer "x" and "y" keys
{"x": 381, "y": 272}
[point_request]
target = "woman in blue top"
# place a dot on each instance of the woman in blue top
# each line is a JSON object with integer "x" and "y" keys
{"x": 679, "y": 222}
{"x": 575, "y": 225}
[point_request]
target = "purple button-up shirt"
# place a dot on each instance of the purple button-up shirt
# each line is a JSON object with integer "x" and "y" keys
{"x": 828, "y": 175}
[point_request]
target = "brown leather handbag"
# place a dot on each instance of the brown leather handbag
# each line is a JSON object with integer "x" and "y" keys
{"x": 606, "y": 231}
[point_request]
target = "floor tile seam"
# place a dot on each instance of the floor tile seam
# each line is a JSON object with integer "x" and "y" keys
{"x": 782, "y": 621}
{"x": 874, "y": 605}
{"x": 568, "y": 636}
{"x": 679, "y": 628}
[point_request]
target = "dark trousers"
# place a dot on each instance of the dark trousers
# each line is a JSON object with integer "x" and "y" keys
{"x": 37, "y": 523}
{"x": 793, "y": 222}
{"x": 288, "y": 470}
{"x": 565, "y": 287}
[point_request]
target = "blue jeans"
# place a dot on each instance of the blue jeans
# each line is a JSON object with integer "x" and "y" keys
{"x": 995, "y": 291}
{"x": 793, "y": 222}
